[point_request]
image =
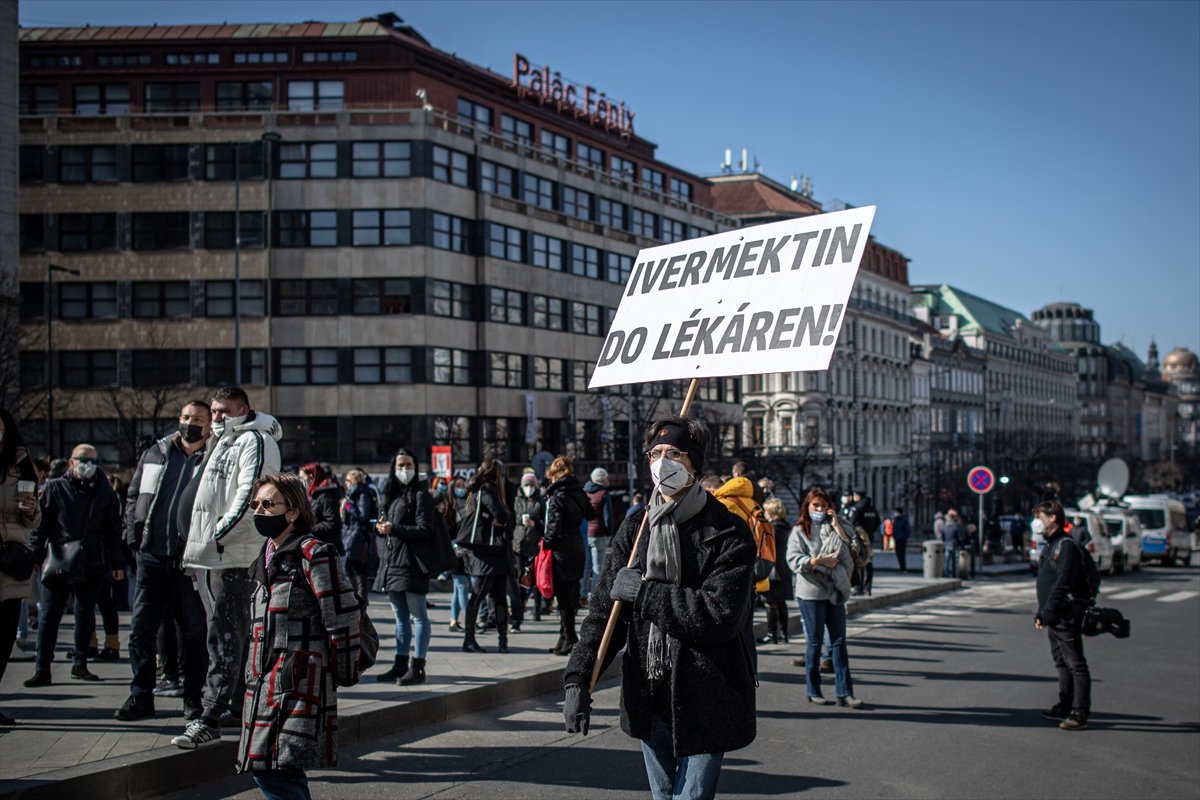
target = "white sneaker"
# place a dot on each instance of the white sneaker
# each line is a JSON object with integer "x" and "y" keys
{"x": 197, "y": 734}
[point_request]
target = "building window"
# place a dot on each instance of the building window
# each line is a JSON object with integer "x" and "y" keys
{"x": 507, "y": 369}
{"x": 244, "y": 95}
{"x": 301, "y": 298}
{"x": 681, "y": 190}
{"x": 384, "y": 227}
{"x": 168, "y": 97}
{"x": 673, "y": 230}
{"x": 653, "y": 179}
{"x": 153, "y": 299}
{"x": 218, "y": 367}
{"x": 585, "y": 318}
{"x": 505, "y": 242}
{"x": 160, "y": 368}
{"x": 611, "y": 213}
{"x": 617, "y": 267}
{"x": 548, "y": 373}
{"x": 312, "y": 365}
{"x": 696, "y": 233}
{"x": 548, "y": 313}
{"x": 472, "y": 113}
{"x": 537, "y": 191}
{"x": 497, "y": 179}
{"x": 56, "y": 61}
{"x": 87, "y": 300}
{"x": 577, "y": 203}
{"x": 307, "y": 229}
{"x": 581, "y": 375}
{"x": 516, "y": 129}
{"x": 643, "y": 223}
{"x": 382, "y": 296}
{"x": 451, "y": 166}
{"x": 160, "y": 162}
{"x": 329, "y": 57}
{"x": 103, "y": 99}
{"x": 218, "y": 299}
{"x": 306, "y": 438}
{"x": 449, "y": 233}
{"x": 585, "y": 261}
{"x": 624, "y": 168}
{"x": 383, "y": 365}
{"x": 757, "y": 429}
{"x": 315, "y": 95}
{"x": 77, "y": 232}
{"x": 123, "y": 60}
{"x": 556, "y": 143}
{"x": 219, "y": 166}
{"x": 547, "y": 252}
{"x": 375, "y": 437}
{"x": 219, "y": 233}
{"x": 308, "y": 160}
{"x": 451, "y": 366}
{"x": 87, "y": 164}
{"x": 31, "y": 235}
{"x": 162, "y": 231}
{"x": 80, "y": 369}
{"x": 40, "y": 101}
{"x": 506, "y": 305}
{"x": 591, "y": 156}
{"x": 32, "y": 161}
{"x": 450, "y": 299}
{"x": 189, "y": 59}
{"x": 382, "y": 159}
{"x": 261, "y": 57}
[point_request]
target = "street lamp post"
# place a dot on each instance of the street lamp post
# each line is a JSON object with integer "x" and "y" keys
{"x": 268, "y": 138}
{"x": 50, "y": 270}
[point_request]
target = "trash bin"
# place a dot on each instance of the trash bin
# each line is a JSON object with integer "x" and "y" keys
{"x": 934, "y": 553}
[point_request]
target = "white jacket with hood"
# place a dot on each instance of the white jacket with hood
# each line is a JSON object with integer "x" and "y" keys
{"x": 222, "y": 534}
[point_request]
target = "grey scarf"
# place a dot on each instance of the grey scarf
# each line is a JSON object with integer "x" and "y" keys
{"x": 662, "y": 564}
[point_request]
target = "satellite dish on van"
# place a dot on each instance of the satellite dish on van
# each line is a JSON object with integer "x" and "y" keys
{"x": 1113, "y": 478}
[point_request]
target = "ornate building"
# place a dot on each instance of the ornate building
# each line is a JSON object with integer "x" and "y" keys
{"x": 1182, "y": 369}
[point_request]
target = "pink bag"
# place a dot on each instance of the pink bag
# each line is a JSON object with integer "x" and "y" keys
{"x": 543, "y": 571}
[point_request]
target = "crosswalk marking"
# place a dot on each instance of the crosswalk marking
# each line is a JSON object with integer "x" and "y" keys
{"x": 1130, "y": 594}
{"x": 1177, "y": 597}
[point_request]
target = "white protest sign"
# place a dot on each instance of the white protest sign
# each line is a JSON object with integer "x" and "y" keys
{"x": 771, "y": 298}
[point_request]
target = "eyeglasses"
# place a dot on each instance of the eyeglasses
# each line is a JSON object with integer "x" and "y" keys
{"x": 266, "y": 505}
{"x": 86, "y": 460}
{"x": 672, "y": 454}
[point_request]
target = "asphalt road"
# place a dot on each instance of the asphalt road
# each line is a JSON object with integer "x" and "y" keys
{"x": 953, "y": 685}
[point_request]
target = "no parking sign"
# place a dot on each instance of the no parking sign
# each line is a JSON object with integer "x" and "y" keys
{"x": 980, "y": 480}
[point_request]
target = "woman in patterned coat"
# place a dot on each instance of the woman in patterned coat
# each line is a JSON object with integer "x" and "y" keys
{"x": 304, "y": 637}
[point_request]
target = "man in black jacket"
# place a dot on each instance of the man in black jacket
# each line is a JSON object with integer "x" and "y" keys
{"x": 80, "y": 527}
{"x": 152, "y": 532}
{"x": 1062, "y": 598}
{"x": 687, "y": 688}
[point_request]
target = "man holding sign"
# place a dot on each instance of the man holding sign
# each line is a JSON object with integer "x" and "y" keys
{"x": 688, "y": 688}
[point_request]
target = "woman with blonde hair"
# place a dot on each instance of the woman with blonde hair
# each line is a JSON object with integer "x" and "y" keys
{"x": 780, "y": 589}
{"x": 566, "y": 508}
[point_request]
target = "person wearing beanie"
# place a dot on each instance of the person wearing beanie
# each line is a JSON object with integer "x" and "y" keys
{"x": 687, "y": 686}
{"x": 603, "y": 523}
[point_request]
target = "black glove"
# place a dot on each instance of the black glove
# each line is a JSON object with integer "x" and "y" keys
{"x": 626, "y": 585}
{"x": 577, "y": 708}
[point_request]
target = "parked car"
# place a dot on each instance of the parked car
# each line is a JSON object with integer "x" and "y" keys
{"x": 1086, "y": 527}
{"x": 1126, "y": 533}
{"x": 1164, "y": 523}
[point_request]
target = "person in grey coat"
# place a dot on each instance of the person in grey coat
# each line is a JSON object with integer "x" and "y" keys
{"x": 818, "y": 552}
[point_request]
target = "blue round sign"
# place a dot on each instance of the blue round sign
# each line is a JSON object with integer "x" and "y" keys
{"x": 981, "y": 480}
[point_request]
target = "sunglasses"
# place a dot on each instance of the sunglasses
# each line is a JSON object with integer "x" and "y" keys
{"x": 86, "y": 460}
{"x": 266, "y": 505}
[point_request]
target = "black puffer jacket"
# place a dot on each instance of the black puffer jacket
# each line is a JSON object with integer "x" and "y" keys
{"x": 711, "y": 683}
{"x": 327, "y": 508}
{"x": 411, "y": 515}
{"x": 566, "y": 509}
{"x": 480, "y": 563}
{"x": 88, "y": 511}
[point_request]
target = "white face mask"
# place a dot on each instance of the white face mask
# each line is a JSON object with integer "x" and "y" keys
{"x": 1038, "y": 527}
{"x": 85, "y": 470}
{"x": 404, "y": 475}
{"x": 528, "y": 489}
{"x": 669, "y": 476}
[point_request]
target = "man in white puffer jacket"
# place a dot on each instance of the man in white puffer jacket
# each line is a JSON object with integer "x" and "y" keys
{"x": 221, "y": 544}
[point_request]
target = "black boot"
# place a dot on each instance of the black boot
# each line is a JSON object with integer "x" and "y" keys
{"x": 783, "y": 624}
{"x": 772, "y": 625}
{"x": 415, "y": 674}
{"x": 472, "y": 646}
{"x": 502, "y": 647}
{"x": 559, "y": 645}
{"x": 399, "y": 667}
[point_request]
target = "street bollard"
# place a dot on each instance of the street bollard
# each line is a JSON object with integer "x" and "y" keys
{"x": 933, "y": 553}
{"x": 964, "y": 563}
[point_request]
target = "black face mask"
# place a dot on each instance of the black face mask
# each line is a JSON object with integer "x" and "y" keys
{"x": 191, "y": 433}
{"x": 270, "y": 525}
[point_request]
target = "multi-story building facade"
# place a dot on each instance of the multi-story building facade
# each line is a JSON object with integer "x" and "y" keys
{"x": 9, "y": 138}
{"x": 427, "y": 252}
{"x": 850, "y": 426}
{"x": 1182, "y": 369}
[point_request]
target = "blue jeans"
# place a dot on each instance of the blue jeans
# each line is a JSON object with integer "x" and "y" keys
{"x": 599, "y": 549}
{"x": 50, "y": 613}
{"x": 289, "y": 783}
{"x": 411, "y": 612}
{"x": 950, "y": 568}
{"x": 589, "y": 564}
{"x": 459, "y": 595}
{"x": 686, "y": 778}
{"x": 821, "y": 616}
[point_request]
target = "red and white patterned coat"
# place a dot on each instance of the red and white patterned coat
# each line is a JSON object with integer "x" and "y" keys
{"x": 304, "y": 633}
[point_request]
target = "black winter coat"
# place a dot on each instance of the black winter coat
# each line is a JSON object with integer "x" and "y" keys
{"x": 411, "y": 515}
{"x": 480, "y": 564}
{"x": 566, "y": 508}
{"x": 780, "y": 590}
{"x": 711, "y": 683}
{"x": 327, "y": 511}
{"x": 87, "y": 511}
{"x": 1058, "y": 578}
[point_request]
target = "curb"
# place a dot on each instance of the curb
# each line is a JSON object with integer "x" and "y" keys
{"x": 159, "y": 771}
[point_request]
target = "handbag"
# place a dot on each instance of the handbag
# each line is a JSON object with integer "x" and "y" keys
{"x": 479, "y": 537}
{"x": 17, "y": 560}
{"x": 543, "y": 572}
{"x": 436, "y": 555}
{"x": 65, "y": 563}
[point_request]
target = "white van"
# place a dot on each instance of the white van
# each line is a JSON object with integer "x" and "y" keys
{"x": 1164, "y": 528}
{"x": 1126, "y": 533}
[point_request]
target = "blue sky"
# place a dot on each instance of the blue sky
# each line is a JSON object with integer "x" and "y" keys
{"x": 1025, "y": 152}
